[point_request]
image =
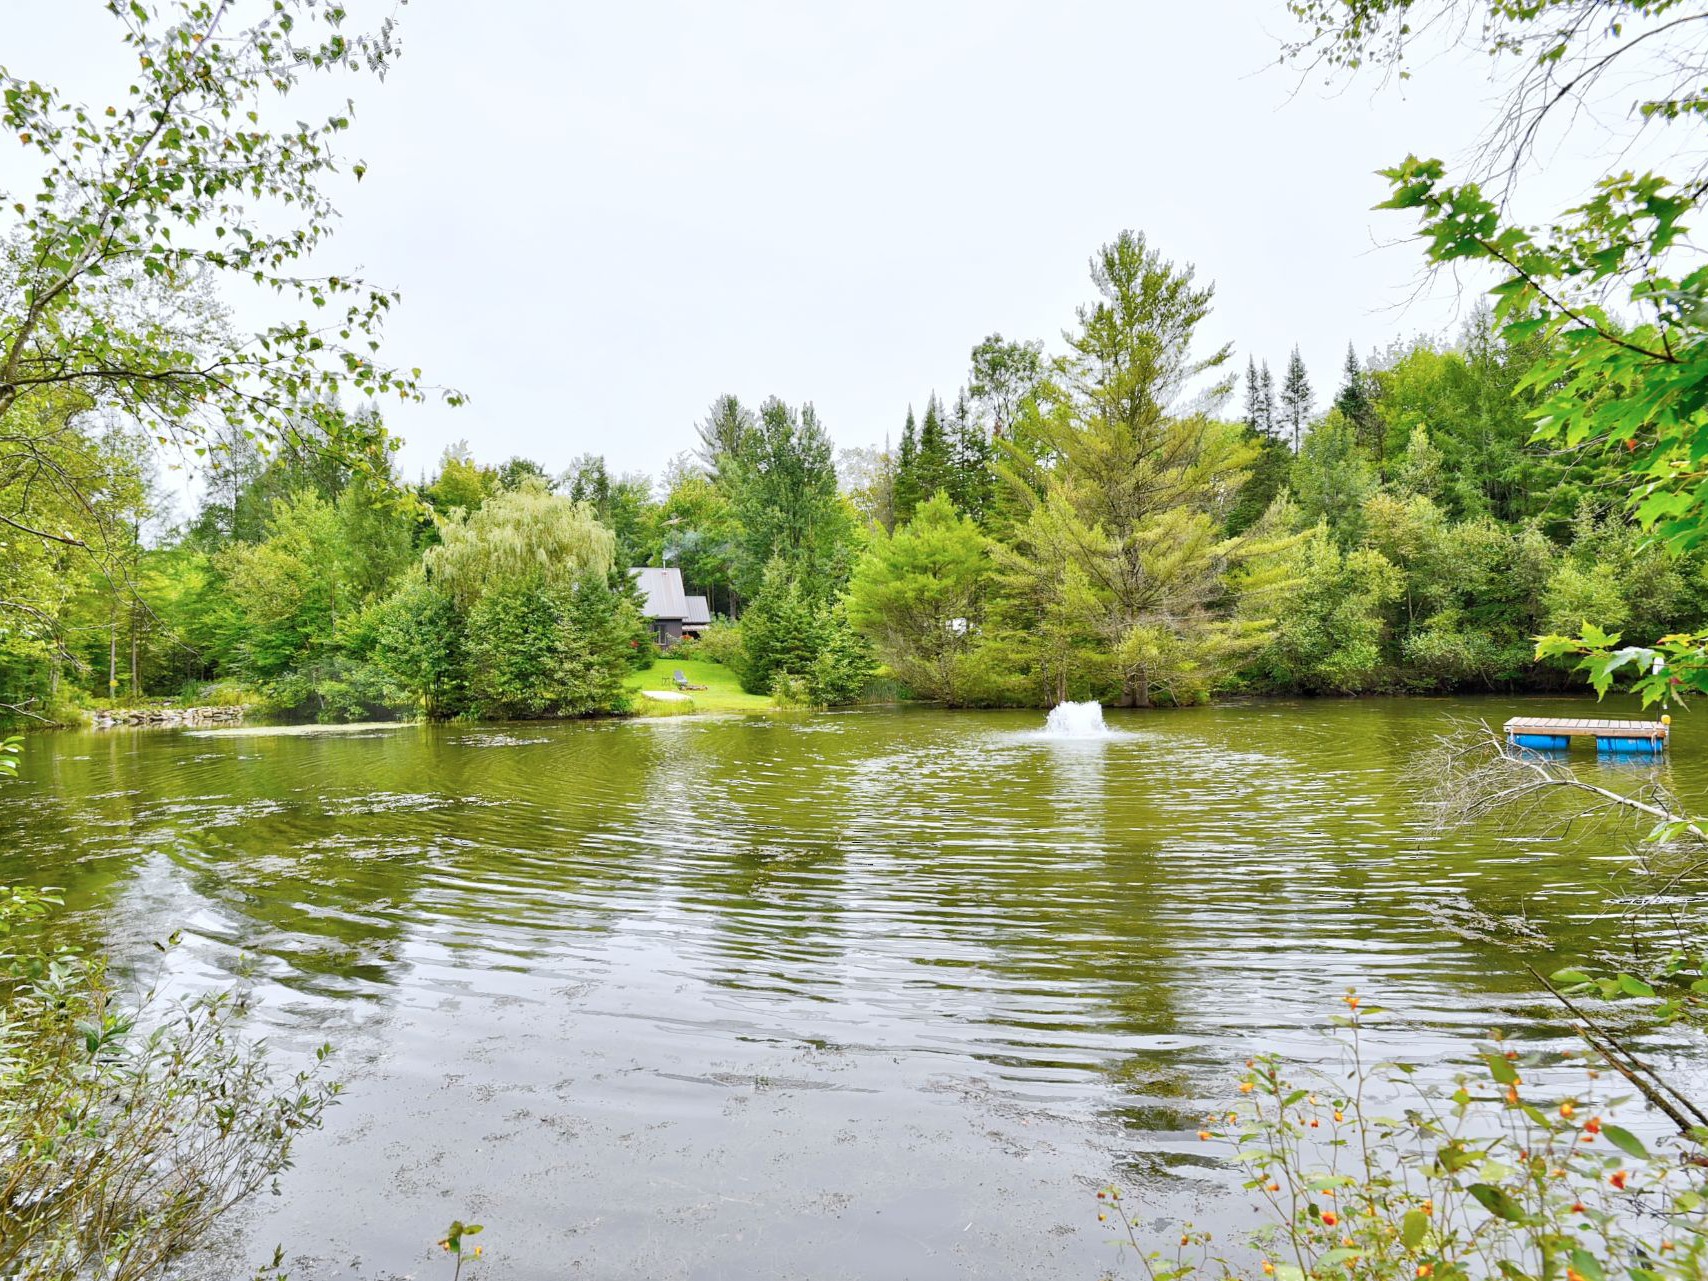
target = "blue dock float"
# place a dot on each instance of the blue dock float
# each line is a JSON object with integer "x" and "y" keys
{"x": 1619, "y": 738}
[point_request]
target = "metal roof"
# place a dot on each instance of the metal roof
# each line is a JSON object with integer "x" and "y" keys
{"x": 699, "y": 613}
{"x": 662, "y": 589}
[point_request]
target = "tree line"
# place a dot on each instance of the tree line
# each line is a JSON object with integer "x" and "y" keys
{"x": 1125, "y": 520}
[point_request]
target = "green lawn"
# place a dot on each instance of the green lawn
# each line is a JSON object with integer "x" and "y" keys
{"x": 723, "y": 692}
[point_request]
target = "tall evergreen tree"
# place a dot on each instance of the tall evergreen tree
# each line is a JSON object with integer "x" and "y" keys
{"x": 1296, "y": 400}
{"x": 722, "y": 433}
{"x": 934, "y": 470}
{"x": 1124, "y": 545}
{"x": 907, "y": 493}
{"x": 1270, "y": 426}
{"x": 1255, "y": 418}
{"x": 1356, "y": 404}
{"x": 971, "y": 456}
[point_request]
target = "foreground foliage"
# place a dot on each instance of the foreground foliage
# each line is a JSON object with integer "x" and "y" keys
{"x": 1517, "y": 1171}
{"x": 130, "y": 1127}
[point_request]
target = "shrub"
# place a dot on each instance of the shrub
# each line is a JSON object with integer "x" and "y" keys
{"x": 1518, "y": 1172}
{"x": 792, "y": 691}
{"x": 130, "y": 1128}
{"x": 719, "y": 643}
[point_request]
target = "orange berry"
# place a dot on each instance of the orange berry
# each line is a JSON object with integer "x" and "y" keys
{"x": 1268, "y": 1268}
{"x": 1246, "y": 1087}
{"x": 1203, "y": 1134}
{"x": 1426, "y": 1269}
{"x": 1330, "y": 1218}
{"x": 1593, "y": 1125}
{"x": 1619, "y": 1179}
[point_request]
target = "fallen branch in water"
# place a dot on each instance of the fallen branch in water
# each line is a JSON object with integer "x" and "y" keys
{"x": 1481, "y": 775}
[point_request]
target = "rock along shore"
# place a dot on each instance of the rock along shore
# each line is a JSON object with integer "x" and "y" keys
{"x": 116, "y": 717}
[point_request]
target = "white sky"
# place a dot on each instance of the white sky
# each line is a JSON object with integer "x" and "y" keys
{"x": 601, "y": 217}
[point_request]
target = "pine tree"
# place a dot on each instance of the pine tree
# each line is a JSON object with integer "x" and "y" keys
{"x": 907, "y": 468}
{"x": 1254, "y": 399}
{"x": 1355, "y": 403}
{"x": 971, "y": 454}
{"x": 1296, "y": 400}
{"x": 1270, "y": 426}
{"x": 934, "y": 469}
{"x": 1116, "y": 579}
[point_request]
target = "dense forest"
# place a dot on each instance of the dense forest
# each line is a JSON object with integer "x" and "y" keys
{"x": 1128, "y": 519}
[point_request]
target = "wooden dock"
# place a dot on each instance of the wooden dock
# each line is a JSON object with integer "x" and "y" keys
{"x": 1547, "y": 733}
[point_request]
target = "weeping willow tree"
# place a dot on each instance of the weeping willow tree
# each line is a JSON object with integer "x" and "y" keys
{"x": 1118, "y": 576}
{"x": 524, "y": 534}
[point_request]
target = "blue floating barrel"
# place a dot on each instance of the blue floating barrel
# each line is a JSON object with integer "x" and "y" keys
{"x": 1630, "y": 746}
{"x": 1543, "y": 742}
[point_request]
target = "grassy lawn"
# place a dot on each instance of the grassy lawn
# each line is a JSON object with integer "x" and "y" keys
{"x": 723, "y": 691}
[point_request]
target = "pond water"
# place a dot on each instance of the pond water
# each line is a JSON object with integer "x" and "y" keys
{"x": 878, "y": 994}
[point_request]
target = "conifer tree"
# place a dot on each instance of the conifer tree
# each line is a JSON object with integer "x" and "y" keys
{"x": 970, "y": 455}
{"x": 1358, "y": 407}
{"x": 1296, "y": 400}
{"x": 1270, "y": 426}
{"x": 907, "y": 493}
{"x": 1117, "y": 578}
{"x": 722, "y": 433}
{"x": 934, "y": 470}
{"x": 1254, "y": 418}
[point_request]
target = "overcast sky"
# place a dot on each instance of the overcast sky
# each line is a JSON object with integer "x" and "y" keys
{"x": 602, "y": 216}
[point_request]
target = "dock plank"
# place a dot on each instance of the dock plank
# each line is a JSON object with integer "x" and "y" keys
{"x": 1575, "y": 727}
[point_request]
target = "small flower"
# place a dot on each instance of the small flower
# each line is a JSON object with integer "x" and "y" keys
{"x": 1426, "y": 1269}
{"x": 1203, "y": 1135}
{"x": 1330, "y": 1218}
{"x": 1428, "y": 1207}
{"x": 1268, "y": 1268}
{"x": 1246, "y": 1087}
{"x": 1567, "y": 1110}
{"x": 1619, "y": 1178}
{"x": 1592, "y": 1126}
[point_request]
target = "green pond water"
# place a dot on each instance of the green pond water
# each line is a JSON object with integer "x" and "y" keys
{"x": 876, "y": 994}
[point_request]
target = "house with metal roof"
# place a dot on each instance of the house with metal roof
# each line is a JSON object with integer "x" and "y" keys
{"x": 665, "y": 603}
{"x": 698, "y": 617}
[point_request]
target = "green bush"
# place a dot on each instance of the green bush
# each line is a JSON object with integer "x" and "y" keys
{"x": 132, "y": 1128}
{"x": 719, "y": 643}
{"x": 792, "y": 691}
{"x": 536, "y": 650}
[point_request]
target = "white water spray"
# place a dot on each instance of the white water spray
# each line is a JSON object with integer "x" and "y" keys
{"x": 1076, "y": 720}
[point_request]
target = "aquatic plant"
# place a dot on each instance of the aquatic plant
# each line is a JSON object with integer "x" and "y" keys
{"x": 1518, "y": 1171}
{"x": 453, "y": 1243}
